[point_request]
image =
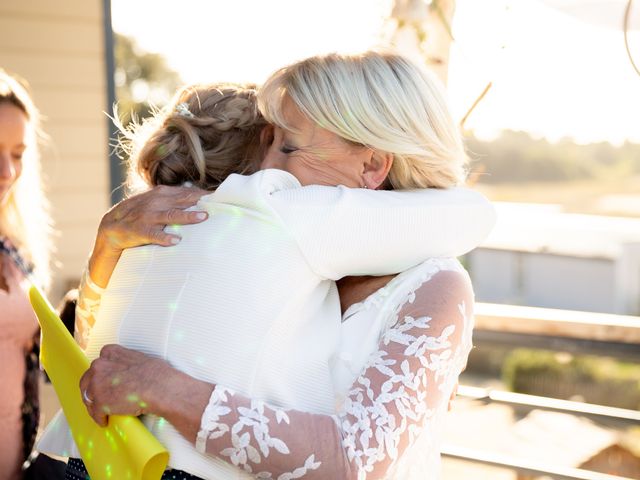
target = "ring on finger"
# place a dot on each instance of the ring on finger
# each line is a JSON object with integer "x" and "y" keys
{"x": 85, "y": 397}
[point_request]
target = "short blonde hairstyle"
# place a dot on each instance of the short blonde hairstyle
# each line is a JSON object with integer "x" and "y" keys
{"x": 206, "y": 133}
{"x": 381, "y": 100}
{"x": 24, "y": 215}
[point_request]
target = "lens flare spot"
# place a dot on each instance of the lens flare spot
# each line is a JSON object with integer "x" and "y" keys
{"x": 178, "y": 336}
{"x": 133, "y": 398}
{"x": 161, "y": 423}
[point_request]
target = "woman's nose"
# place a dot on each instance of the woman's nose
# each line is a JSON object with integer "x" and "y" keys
{"x": 7, "y": 168}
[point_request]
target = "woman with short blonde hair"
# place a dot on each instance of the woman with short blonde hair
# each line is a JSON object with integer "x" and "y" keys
{"x": 377, "y": 100}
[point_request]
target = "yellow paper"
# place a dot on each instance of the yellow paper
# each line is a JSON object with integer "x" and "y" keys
{"x": 123, "y": 450}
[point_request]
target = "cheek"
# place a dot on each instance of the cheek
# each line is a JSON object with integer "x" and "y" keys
{"x": 18, "y": 170}
{"x": 302, "y": 172}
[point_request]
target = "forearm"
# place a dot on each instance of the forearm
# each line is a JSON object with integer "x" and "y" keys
{"x": 96, "y": 275}
{"x": 403, "y": 387}
{"x": 104, "y": 257}
{"x": 339, "y": 229}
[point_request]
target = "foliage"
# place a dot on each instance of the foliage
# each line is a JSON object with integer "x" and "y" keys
{"x": 517, "y": 157}
{"x": 560, "y": 375}
{"x": 143, "y": 80}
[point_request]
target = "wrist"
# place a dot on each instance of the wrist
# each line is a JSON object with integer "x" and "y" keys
{"x": 166, "y": 392}
{"x": 181, "y": 401}
{"x": 102, "y": 261}
{"x": 104, "y": 245}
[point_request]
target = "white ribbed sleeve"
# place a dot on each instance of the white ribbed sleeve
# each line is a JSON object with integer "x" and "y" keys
{"x": 345, "y": 231}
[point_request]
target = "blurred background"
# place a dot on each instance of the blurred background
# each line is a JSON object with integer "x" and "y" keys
{"x": 547, "y": 93}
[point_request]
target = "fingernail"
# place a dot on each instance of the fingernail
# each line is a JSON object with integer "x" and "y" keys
{"x": 201, "y": 215}
{"x": 175, "y": 240}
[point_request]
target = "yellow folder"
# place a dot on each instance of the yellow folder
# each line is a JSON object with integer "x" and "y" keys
{"x": 124, "y": 449}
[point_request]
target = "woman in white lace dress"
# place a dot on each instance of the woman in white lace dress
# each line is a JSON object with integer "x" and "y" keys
{"x": 400, "y": 350}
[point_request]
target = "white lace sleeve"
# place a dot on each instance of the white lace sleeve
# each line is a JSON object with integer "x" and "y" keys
{"x": 407, "y": 381}
{"x": 89, "y": 295}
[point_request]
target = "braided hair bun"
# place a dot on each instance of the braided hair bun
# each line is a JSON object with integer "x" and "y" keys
{"x": 205, "y": 134}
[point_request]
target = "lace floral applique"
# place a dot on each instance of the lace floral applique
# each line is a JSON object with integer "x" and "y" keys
{"x": 405, "y": 383}
{"x": 89, "y": 296}
{"x": 249, "y": 420}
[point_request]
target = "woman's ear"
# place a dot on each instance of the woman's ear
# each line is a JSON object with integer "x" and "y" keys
{"x": 266, "y": 136}
{"x": 377, "y": 169}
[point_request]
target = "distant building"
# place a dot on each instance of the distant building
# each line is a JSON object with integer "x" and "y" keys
{"x": 539, "y": 256}
{"x": 563, "y": 440}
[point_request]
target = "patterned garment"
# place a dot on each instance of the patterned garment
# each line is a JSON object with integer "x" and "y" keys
{"x": 7, "y": 248}
{"x": 19, "y": 342}
{"x": 402, "y": 351}
{"x": 31, "y": 404}
{"x": 30, "y": 410}
{"x": 395, "y": 404}
{"x": 77, "y": 471}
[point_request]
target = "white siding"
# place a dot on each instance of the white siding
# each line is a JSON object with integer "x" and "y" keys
{"x": 544, "y": 280}
{"x": 58, "y": 47}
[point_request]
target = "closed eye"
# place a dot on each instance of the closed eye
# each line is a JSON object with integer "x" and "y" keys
{"x": 287, "y": 150}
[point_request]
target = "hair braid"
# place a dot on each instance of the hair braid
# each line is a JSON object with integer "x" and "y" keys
{"x": 220, "y": 136}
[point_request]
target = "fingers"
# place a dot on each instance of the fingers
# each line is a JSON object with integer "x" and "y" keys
{"x": 112, "y": 383}
{"x": 183, "y": 197}
{"x": 176, "y": 216}
{"x": 95, "y": 410}
{"x": 112, "y": 351}
{"x": 157, "y": 236}
{"x": 188, "y": 197}
{"x": 173, "y": 216}
{"x": 84, "y": 382}
{"x": 147, "y": 214}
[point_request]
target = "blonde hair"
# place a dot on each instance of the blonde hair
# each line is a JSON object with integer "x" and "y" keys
{"x": 381, "y": 100}
{"x": 24, "y": 215}
{"x": 205, "y": 133}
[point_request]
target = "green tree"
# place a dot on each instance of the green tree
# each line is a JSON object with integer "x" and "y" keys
{"x": 516, "y": 157}
{"x": 143, "y": 80}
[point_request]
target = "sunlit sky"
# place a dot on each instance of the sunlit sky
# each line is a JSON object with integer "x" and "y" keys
{"x": 553, "y": 74}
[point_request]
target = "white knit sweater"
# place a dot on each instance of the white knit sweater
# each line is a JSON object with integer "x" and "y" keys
{"x": 248, "y": 299}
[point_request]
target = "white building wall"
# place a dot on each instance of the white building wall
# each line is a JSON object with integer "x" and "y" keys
{"x": 544, "y": 280}
{"x": 571, "y": 283}
{"x": 58, "y": 47}
{"x": 628, "y": 279}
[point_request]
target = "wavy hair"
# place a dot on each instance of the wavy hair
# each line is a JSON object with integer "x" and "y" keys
{"x": 24, "y": 215}
{"x": 381, "y": 100}
{"x": 202, "y": 136}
